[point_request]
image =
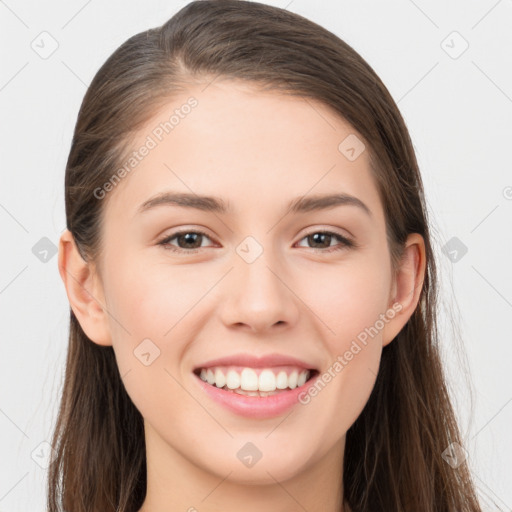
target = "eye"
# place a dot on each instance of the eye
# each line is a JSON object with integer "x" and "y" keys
{"x": 189, "y": 241}
{"x": 323, "y": 239}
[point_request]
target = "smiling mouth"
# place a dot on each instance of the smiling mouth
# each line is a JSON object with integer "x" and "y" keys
{"x": 256, "y": 382}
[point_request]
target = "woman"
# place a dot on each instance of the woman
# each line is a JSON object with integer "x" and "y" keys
{"x": 251, "y": 280}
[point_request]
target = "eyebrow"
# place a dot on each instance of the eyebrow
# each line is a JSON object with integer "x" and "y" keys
{"x": 218, "y": 205}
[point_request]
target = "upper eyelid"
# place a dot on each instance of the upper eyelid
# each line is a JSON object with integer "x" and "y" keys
{"x": 185, "y": 231}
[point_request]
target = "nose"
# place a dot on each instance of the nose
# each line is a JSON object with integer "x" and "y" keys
{"x": 258, "y": 296}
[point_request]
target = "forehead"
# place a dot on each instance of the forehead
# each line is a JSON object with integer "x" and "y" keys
{"x": 233, "y": 140}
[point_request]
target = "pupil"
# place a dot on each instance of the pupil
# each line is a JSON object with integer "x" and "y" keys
{"x": 316, "y": 236}
{"x": 190, "y": 238}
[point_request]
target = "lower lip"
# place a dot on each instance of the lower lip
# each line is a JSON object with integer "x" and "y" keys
{"x": 256, "y": 406}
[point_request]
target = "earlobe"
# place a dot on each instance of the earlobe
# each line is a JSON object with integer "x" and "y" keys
{"x": 407, "y": 286}
{"x": 84, "y": 291}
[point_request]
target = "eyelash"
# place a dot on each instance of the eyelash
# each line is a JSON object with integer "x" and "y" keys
{"x": 345, "y": 243}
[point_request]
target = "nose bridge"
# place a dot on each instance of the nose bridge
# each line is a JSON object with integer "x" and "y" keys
{"x": 253, "y": 271}
{"x": 258, "y": 295}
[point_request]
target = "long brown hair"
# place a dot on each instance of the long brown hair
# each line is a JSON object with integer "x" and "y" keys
{"x": 393, "y": 457}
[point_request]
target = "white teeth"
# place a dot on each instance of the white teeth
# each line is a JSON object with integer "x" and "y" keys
{"x": 233, "y": 380}
{"x": 292, "y": 379}
{"x": 247, "y": 393}
{"x": 282, "y": 380}
{"x": 210, "y": 377}
{"x": 220, "y": 380}
{"x": 250, "y": 383}
{"x": 302, "y": 379}
{"x": 249, "y": 380}
{"x": 267, "y": 381}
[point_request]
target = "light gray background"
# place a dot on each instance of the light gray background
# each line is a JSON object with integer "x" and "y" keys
{"x": 458, "y": 109}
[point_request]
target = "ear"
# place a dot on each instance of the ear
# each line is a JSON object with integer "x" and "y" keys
{"x": 84, "y": 290}
{"x": 406, "y": 287}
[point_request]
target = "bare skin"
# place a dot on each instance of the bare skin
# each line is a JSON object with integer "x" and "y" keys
{"x": 257, "y": 151}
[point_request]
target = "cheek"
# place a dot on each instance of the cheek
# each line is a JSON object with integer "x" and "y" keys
{"x": 152, "y": 309}
{"x": 157, "y": 309}
{"x": 350, "y": 302}
{"x": 152, "y": 299}
{"x": 348, "y": 298}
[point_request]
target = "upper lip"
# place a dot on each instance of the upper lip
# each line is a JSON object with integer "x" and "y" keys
{"x": 249, "y": 361}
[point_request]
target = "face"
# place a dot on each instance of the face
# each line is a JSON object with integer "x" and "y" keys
{"x": 261, "y": 269}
